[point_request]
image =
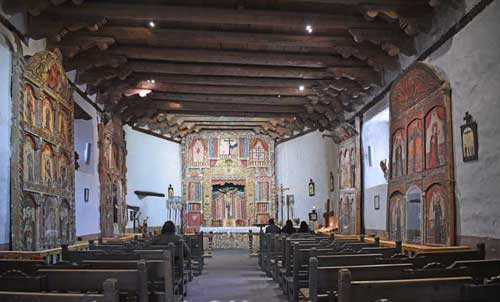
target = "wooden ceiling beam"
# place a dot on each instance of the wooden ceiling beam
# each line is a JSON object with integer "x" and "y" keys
{"x": 217, "y": 18}
{"x": 210, "y": 107}
{"x": 218, "y": 89}
{"x": 234, "y": 57}
{"x": 229, "y": 99}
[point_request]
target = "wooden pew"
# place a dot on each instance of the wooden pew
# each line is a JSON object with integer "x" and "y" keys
{"x": 109, "y": 294}
{"x": 408, "y": 290}
{"x": 132, "y": 281}
{"x": 25, "y": 265}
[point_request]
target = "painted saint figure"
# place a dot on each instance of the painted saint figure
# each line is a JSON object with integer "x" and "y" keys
{"x": 434, "y": 146}
{"x": 399, "y": 161}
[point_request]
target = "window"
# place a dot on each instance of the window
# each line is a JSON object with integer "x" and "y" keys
{"x": 369, "y": 156}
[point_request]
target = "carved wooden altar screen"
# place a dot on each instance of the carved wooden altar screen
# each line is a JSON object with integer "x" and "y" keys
{"x": 112, "y": 177}
{"x": 42, "y": 202}
{"x": 349, "y": 176}
{"x": 421, "y": 194}
{"x": 228, "y": 159}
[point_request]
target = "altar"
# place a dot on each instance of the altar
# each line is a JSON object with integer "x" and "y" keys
{"x": 230, "y": 237}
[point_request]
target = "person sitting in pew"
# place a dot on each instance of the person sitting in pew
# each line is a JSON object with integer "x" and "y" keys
{"x": 272, "y": 228}
{"x": 288, "y": 228}
{"x": 304, "y": 228}
{"x": 168, "y": 235}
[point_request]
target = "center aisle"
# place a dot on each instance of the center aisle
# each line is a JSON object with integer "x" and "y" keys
{"x": 231, "y": 275}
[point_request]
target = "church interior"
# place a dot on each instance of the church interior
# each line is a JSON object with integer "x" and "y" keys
{"x": 361, "y": 162}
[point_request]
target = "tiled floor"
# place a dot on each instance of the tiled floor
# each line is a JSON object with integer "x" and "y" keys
{"x": 233, "y": 276}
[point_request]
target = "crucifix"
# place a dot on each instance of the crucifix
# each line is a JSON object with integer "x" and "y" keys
{"x": 282, "y": 197}
{"x": 231, "y": 143}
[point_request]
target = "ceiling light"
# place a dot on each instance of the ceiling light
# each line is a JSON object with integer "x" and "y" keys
{"x": 152, "y": 24}
{"x": 144, "y": 92}
{"x": 301, "y": 87}
{"x": 309, "y": 29}
{"x": 279, "y": 95}
{"x": 152, "y": 81}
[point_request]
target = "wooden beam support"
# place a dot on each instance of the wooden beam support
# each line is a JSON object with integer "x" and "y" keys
{"x": 229, "y": 99}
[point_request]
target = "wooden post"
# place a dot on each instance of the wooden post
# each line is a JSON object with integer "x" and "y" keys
{"x": 399, "y": 247}
{"x": 344, "y": 293}
{"x": 168, "y": 275}
{"x": 482, "y": 250}
{"x": 377, "y": 241}
{"x": 362, "y": 238}
{"x": 313, "y": 279}
{"x": 91, "y": 244}
{"x": 110, "y": 291}
{"x": 143, "y": 281}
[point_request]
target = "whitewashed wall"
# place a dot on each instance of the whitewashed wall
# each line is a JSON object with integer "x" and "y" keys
{"x": 152, "y": 164}
{"x": 5, "y": 152}
{"x": 299, "y": 160}
{"x": 471, "y": 62}
{"x": 375, "y": 136}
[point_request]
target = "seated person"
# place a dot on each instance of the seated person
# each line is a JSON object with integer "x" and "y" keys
{"x": 304, "y": 228}
{"x": 272, "y": 228}
{"x": 288, "y": 228}
{"x": 168, "y": 235}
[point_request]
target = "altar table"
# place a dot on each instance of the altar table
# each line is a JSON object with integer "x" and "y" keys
{"x": 230, "y": 237}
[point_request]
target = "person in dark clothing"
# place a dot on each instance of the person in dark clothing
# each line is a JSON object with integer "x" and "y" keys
{"x": 168, "y": 235}
{"x": 304, "y": 228}
{"x": 272, "y": 228}
{"x": 288, "y": 228}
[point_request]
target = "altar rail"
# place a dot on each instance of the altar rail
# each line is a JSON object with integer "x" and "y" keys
{"x": 53, "y": 256}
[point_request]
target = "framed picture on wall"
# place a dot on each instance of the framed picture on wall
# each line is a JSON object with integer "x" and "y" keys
{"x": 470, "y": 144}
{"x": 376, "y": 202}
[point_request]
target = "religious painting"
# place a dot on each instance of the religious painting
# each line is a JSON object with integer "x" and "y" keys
{"x": 47, "y": 165}
{"x": 47, "y": 116}
{"x": 244, "y": 147}
{"x": 53, "y": 77}
{"x": 64, "y": 225}
{"x": 398, "y": 153}
{"x": 437, "y": 212}
{"x": 312, "y": 189}
{"x": 469, "y": 139}
{"x": 414, "y": 215}
{"x": 396, "y": 217}
{"x": 343, "y": 132}
{"x": 62, "y": 125}
{"x": 213, "y": 148}
{"x": 414, "y": 134}
{"x": 435, "y": 147}
{"x": 29, "y": 111}
{"x": 29, "y": 159}
{"x": 420, "y": 102}
{"x": 194, "y": 219}
{"x": 170, "y": 192}
{"x": 64, "y": 171}
{"x": 352, "y": 168}
{"x": 331, "y": 183}
{"x": 50, "y": 223}
{"x": 347, "y": 214}
{"x": 28, "y": 223}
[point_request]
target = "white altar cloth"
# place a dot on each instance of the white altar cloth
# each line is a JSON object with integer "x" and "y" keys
{"x": 229, "y": 229}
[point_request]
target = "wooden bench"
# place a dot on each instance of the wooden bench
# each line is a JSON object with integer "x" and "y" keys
{"x": 408, "y": 290}
{"x": 110, "y": 294}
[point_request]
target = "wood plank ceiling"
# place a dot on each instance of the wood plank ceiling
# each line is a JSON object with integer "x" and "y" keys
{"x": 277, "y": 67}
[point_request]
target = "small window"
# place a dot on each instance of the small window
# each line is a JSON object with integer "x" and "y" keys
{"x": 369, "y": 156}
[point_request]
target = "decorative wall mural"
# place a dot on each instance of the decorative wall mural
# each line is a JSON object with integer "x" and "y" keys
{"x": 112, "y": 176}
{"x": 30, "y": 105}
{"x": 232, "y": 184}
{"x": 437, "y": 215}
{"x": 28, "y": 222}
{"x": 396, "y": 217}
{"x": 421, "y": 104}
{"x": 398, "y": 153}
{"x": 349, "y": 169}
{"x": 435, "y": 137}
{"x": 414, "y": 134}
{"x": 42, "y": 149}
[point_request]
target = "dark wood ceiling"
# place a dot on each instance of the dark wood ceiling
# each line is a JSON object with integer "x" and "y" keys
{"x": 229, "y": 64}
